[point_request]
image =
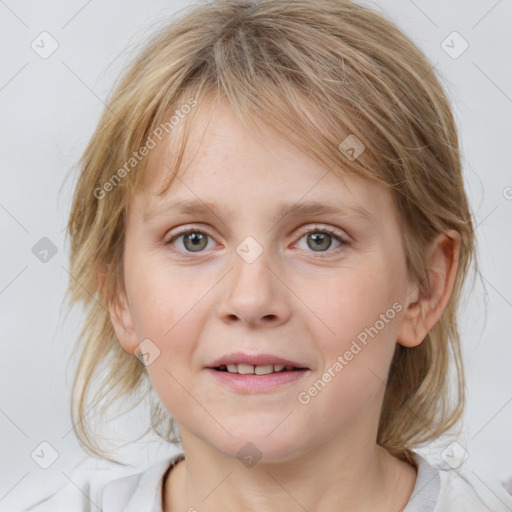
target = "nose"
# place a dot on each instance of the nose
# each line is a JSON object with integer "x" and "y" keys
{"x": 253, "y": 293}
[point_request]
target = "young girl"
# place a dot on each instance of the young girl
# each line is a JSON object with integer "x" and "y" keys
{"x": 270, "y": 230}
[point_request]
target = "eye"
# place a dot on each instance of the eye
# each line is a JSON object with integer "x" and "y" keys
{"x": 193, "y": 240}
{"x": 320, "y": 239}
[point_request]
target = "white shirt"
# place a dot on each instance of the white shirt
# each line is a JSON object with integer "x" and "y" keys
{"x": 436, "y": 490}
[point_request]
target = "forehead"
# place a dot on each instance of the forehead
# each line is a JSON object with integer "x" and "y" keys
{"x": 224, "y": 163}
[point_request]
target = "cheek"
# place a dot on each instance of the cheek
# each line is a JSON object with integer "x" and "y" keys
{"x": 171, "y": 388}
{"x": 165, "y": 310}
{"x": 362, "y": 314}
{"x": 355, "y": 304}
{"x": 161, "y": 295}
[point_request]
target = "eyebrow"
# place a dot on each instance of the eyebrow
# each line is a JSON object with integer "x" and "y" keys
{"x": 196, "y": 207}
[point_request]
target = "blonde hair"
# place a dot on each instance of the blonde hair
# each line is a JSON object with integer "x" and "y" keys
{"x": 316, "y": 72}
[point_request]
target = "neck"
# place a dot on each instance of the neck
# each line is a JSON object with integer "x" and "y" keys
{"x": 359, "y": 478}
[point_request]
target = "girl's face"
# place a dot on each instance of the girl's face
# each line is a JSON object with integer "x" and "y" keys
{"x": 253, "y": 281}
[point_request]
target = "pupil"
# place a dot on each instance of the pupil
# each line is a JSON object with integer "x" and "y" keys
{"x": 319, "y": 239}
{"x": 196, "y": 239}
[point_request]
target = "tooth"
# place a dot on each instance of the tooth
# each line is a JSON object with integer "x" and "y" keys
{"x": 278, "y": 367}
{"x": 232, "y": 368}
{"x": 263, "y": 370}
{"x": 245, "y": 369}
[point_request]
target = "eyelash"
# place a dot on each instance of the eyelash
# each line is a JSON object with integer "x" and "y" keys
{"x": 315, "y": 229}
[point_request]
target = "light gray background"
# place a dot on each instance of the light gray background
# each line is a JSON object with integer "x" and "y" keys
{"x": 49, "y": 108}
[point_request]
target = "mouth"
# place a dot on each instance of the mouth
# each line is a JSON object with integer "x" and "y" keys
{"x": 256, "y": 373}
{"x": 257, "y": 364}
{"x": 249, "y": 369}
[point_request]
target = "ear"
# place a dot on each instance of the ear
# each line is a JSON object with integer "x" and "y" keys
{"x": 102, "y": 274}
{"x": 120, "y": 316}
{"x": 430, "y": 297}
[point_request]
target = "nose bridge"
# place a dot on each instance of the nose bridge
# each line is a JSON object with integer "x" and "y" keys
{"x": 252, "y": 293}
{"x": 252, "y": 278}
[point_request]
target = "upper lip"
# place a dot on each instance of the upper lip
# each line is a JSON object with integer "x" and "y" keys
{"x": 254, "y": 360}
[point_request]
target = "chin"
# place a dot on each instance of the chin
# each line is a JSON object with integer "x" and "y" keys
{"x": 254, "y": 446}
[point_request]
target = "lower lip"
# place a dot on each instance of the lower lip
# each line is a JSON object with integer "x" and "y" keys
{"x": 254, "y": 383}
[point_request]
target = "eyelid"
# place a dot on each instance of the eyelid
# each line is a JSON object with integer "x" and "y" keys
{"x": 192, "y": 229}
{"x": 327, "y": 229}
{"x": 334, "y": 232}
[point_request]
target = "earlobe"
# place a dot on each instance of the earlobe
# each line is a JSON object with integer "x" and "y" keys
{"x": 102, "y": 274}
{"x": 432, "y": 296}
{"x": 122, "y": 321}
{"x": 120, "y": 314}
